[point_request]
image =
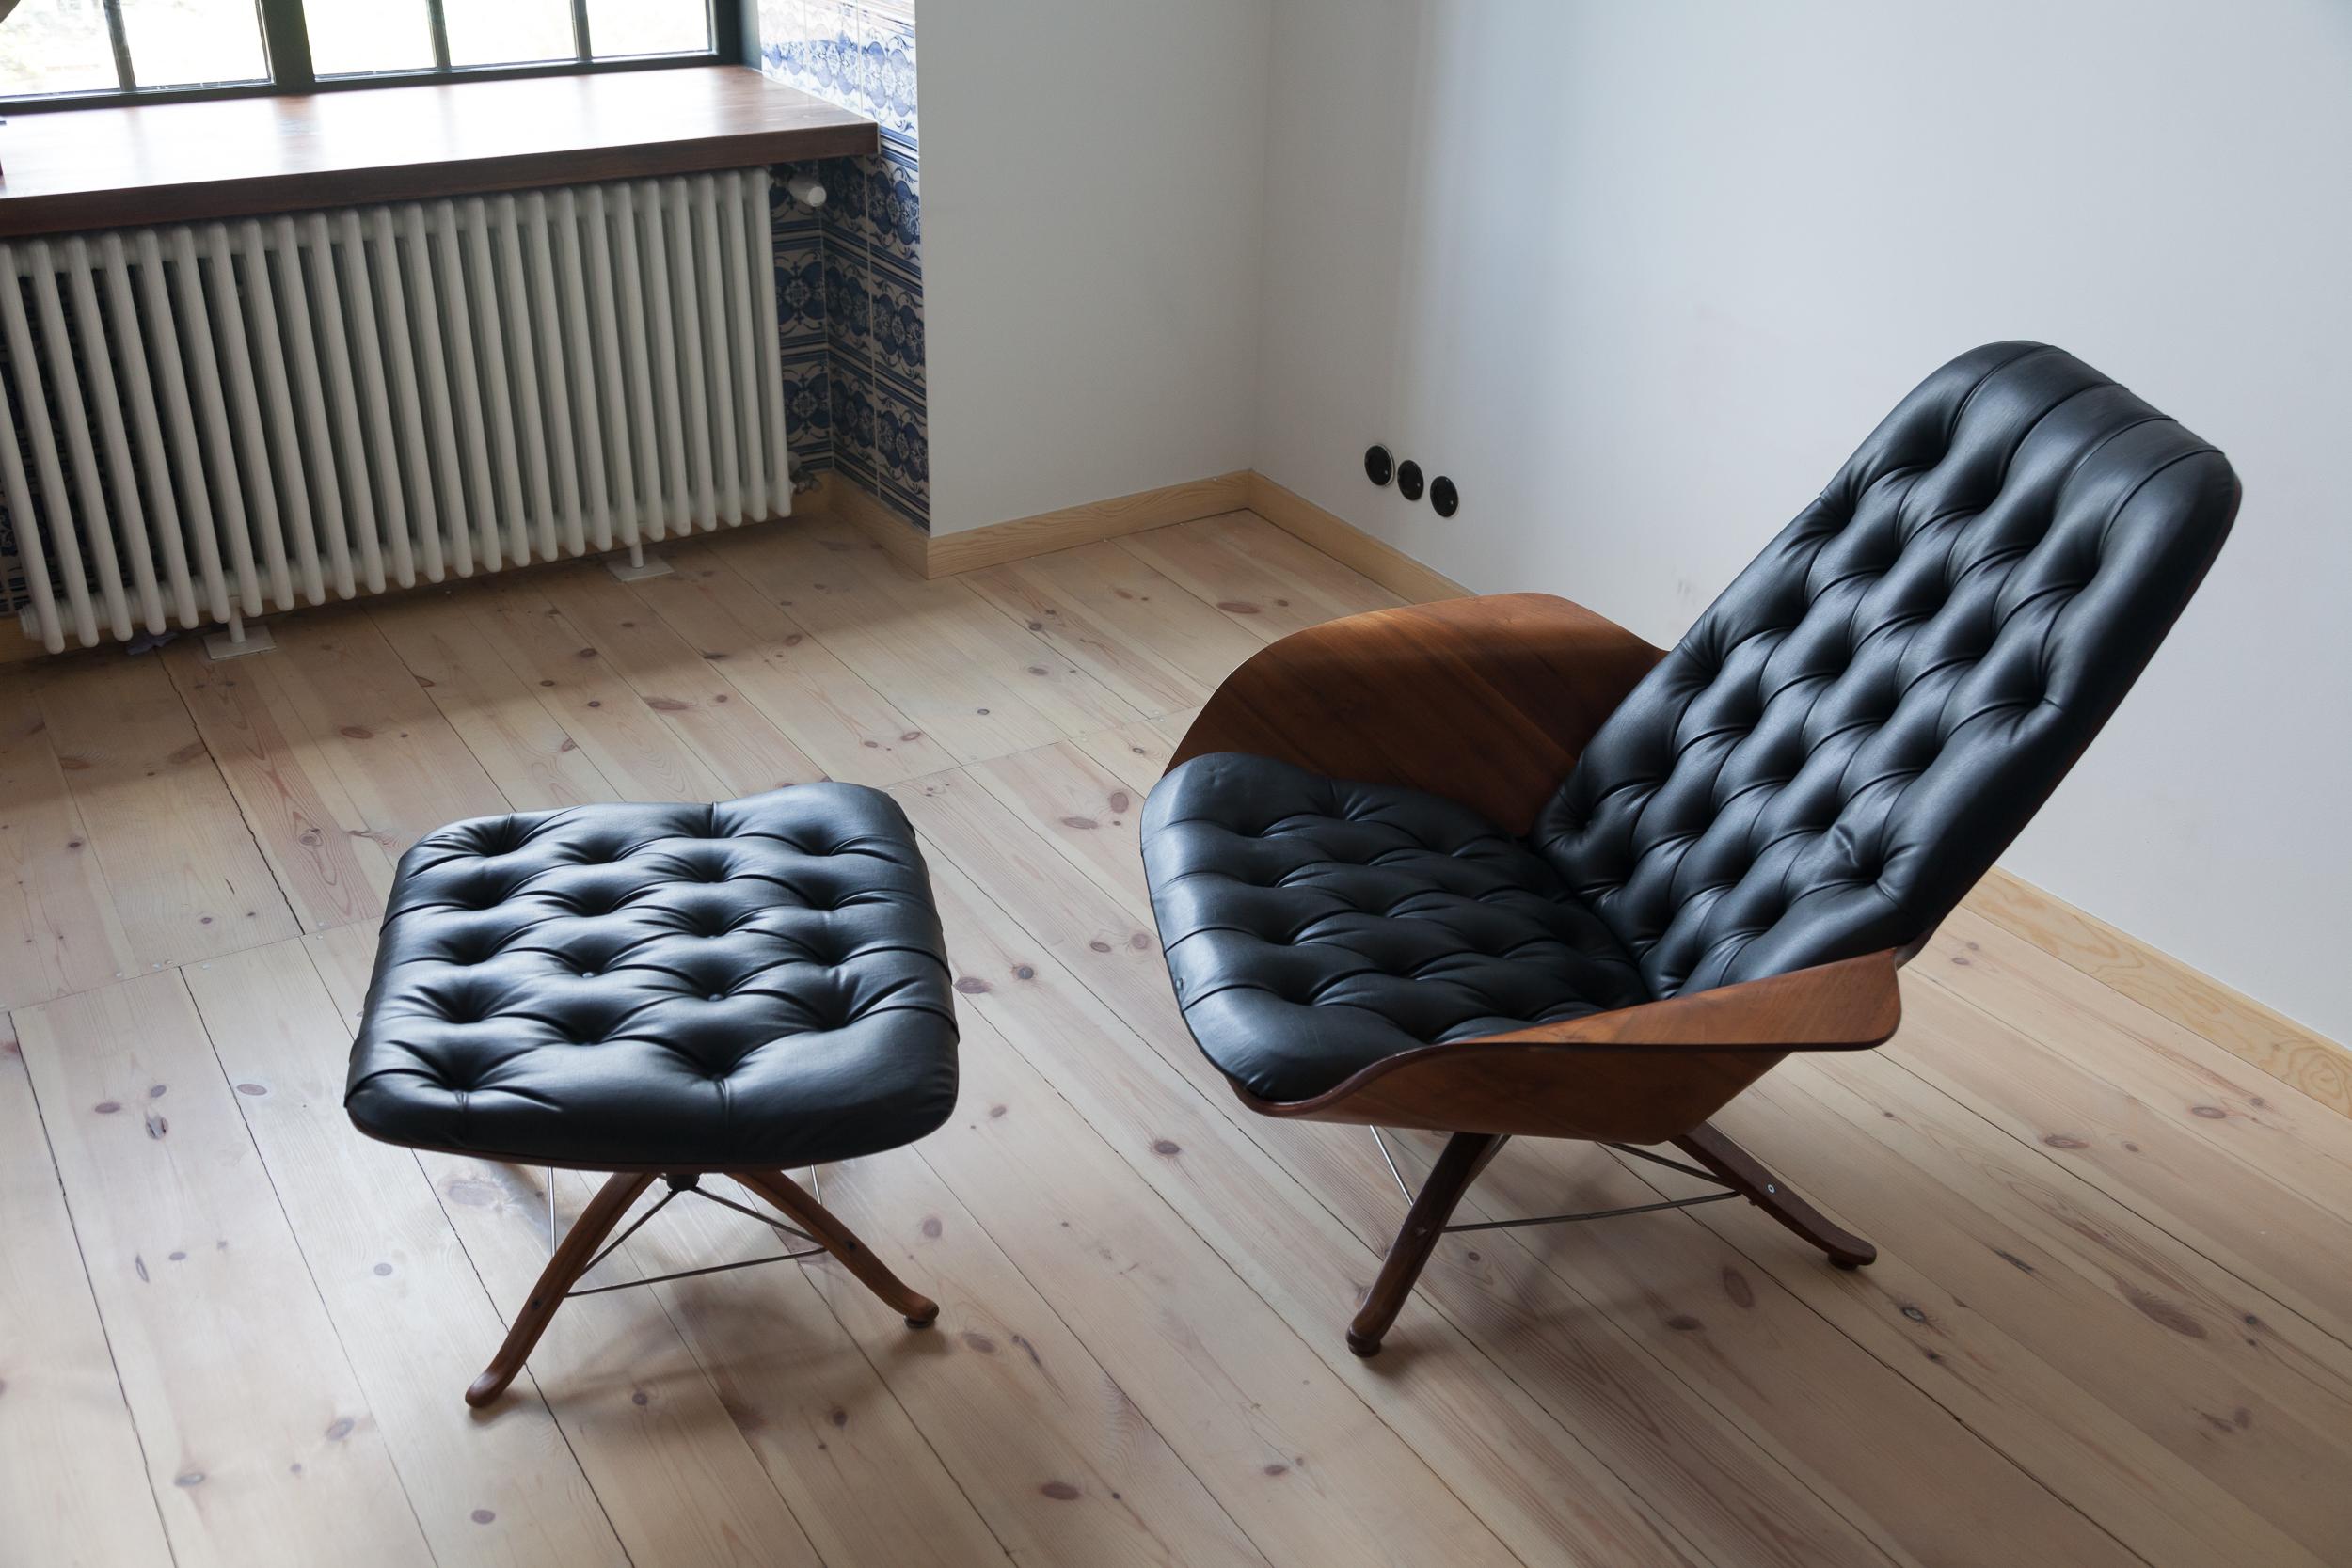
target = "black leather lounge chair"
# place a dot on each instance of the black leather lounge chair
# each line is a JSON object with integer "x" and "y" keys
{"x": 1498, "y": 867}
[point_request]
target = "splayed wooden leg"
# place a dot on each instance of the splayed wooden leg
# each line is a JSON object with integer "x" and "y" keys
{"x": 571, "y": 1260}
{"x": 1466, "y": 1154}
{"x": 818, "y": 1221}
{"x": 1735, "y": 1169}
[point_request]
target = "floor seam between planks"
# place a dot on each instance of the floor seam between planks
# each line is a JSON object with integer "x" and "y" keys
{"x": 97, "y": 1310}
{"x": 294, "y": 1232}
{"x": 1071, "y": 1329}
{"x": 2122, "y": 1197}
{"x": 1762, "y": 1266}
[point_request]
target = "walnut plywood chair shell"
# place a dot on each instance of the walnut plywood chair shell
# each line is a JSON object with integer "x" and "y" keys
{"x": 1499, "y": 868}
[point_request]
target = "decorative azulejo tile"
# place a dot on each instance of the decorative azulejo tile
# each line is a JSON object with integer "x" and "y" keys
{"x": 893, "y": 203}
{"x": 902, "y": 445}
{"x": 914, "y": 509}
{"x": 849, "y": 300}
{"x": 853, "y": 424}
{"x": 842, "y": 220}
{"x": 855, "y": 339}
{"x": 895, "y": 302}
{"x": 801, "y": 302}
{"x": 887, "y": 68}
{"x": 858, "y": 54}
{"x": 807, "y": 403}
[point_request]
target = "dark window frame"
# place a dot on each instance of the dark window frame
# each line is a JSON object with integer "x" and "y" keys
{"x": 286, "y": 49}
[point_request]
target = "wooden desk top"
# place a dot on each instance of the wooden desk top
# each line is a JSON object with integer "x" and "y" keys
{"x": 69, "y": 170}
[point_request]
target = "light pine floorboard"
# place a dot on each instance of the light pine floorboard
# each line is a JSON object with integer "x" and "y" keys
{"x": 412, "y": 1312}
{"x": 827, "y": 708}
{"x": 978, "y": 681}
{"x": 2283, "y": 1047}
{"x": 1271, "y": 582}
{"x": 59, "y": 929}
{"x": 185, "y": 876}
{"x": 2110, "y": 1322}
{"x": 1137, "y": 632}
{"x": 261, "y": 1443}
{"x": 75, "y": 1487}
{"x": 313, "y": 834}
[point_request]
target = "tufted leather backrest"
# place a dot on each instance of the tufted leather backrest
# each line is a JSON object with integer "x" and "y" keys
{"x": 1847, "y": 738}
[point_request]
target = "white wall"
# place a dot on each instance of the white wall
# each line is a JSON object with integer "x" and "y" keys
{"x": 1092, "y": 230}
{"x": 1638, "y": 277}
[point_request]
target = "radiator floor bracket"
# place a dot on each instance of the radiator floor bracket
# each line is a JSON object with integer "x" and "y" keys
{"x": 637, "y": 565}
{"x": 239, "y": 639}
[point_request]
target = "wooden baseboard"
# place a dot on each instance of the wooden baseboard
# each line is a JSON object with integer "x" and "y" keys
{"x": 2229, "y": 1019}
{"x": 943, "y": 555}
{"x": 998, "y": 543}
{"x": 908, "y": 545}
{"x": 1344, "y": 542}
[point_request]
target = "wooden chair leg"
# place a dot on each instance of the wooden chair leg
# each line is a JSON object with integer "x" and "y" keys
{"x": 1466, "y": 1154}
{"x": 1735, "y": 1167}
{"x": 834, "y": 1237}
{"x": 571, "y": 1260}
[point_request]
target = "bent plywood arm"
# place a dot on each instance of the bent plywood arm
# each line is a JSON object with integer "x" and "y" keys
{"x": 1640, "y": 1074}
{"x": 1485, "y": 701}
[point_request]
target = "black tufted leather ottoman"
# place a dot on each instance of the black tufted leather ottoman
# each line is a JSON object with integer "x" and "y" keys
{"x": 663, "y": 991}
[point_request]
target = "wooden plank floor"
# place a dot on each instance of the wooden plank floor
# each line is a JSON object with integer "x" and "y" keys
{"x": 2111, "y": 1323}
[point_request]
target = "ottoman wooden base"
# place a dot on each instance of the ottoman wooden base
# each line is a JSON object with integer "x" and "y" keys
{"x": 667, "y": 991}
{"x": 583, "y": 1245}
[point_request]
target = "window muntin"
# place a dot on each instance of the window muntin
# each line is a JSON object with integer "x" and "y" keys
{"x": 58, "y": 53}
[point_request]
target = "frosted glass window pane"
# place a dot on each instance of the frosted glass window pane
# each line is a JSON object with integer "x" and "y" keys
{"x": 618, "y": 27}
{"x": 351, "y": 37}
{"x": 56, "y": 46}
{"x": 178, "y": 42}
{"x": 508, "y": 32}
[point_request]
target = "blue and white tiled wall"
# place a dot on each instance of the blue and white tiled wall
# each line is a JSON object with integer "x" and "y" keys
{"x": 850, "y": 277}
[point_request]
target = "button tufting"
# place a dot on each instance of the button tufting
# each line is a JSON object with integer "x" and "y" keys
{"x": 1927, "y": 615}
{"x": 609, "y": 1075}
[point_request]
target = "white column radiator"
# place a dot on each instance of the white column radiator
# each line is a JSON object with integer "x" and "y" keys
{"x": 253, "y": 415}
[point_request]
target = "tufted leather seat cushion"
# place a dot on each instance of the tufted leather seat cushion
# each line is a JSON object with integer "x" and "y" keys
{"x": 1829, "y": 759}
{"x": 1313, "y": 926}
{"x": 753, "y": 985}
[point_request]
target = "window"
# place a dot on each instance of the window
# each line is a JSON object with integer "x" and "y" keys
{"x": 66, "y": 53}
